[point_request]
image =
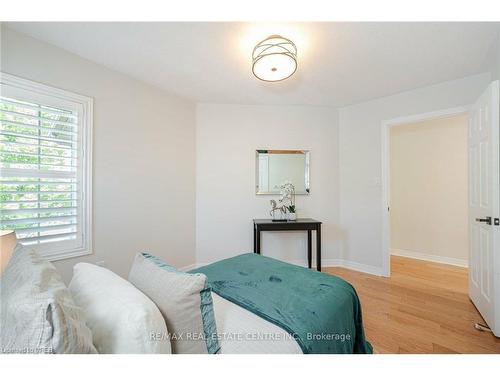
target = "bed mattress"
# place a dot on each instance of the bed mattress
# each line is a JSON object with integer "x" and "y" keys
{"x": 242, "y": 332}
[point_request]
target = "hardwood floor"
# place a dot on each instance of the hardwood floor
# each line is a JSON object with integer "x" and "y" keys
{"x": 422, "y": 308}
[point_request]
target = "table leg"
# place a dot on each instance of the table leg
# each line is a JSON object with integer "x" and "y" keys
{"x": 309, "y": 248}
{"x": 257, "y": 240}
{"x": 254, "y": 240}
{"x": 318, "y": 248}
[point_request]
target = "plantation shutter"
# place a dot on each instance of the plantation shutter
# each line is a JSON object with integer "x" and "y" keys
{"x": 41, "y": 175}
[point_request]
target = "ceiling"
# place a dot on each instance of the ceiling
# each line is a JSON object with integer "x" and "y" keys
{"x": 339, "y": 63}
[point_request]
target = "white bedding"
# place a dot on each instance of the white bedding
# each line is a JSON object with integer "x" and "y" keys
{"x": 242, "y": 332}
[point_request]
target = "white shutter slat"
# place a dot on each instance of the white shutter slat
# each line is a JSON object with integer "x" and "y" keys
{"x": 71, "y": 143}
{"x": 31, "y": 154}
{"x": 21, "y": 193}
{"x": 31, "y": 166}
{"x": 25, "y": 163}
{"x": 24, "y": 125}
{"x": 38, "y": 200}
{"x": 48, "y": 228}
{"x": 35, "y": 183}
{"x": 33, "y": 107}
{"x": 42, "y": 239}
{"x": 20, "y": 211}
{"x": 18, "y": 142}
{"x": 62, "y": 218}
{"x": 5, "y": 159}
{"x": 43, "y": 134}
{"x": 27, "y": 116}
{"x": 33, "y": 149}
{"x": 29, "y": 173}
{"x": 30, "y": 196}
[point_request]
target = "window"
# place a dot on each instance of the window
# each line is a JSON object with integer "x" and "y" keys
{"x": 45, "y": 167}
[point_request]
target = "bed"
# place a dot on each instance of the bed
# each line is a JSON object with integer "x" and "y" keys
{"x": 263, "y": 305}
{"x": 260, "y": 305}
{"x": 241, "y": 331}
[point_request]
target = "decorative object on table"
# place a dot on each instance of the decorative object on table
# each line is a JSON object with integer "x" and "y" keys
{"x": 287, "y": 199}
{"x": 278, "y": 212}
{"x": 285, "y": 208}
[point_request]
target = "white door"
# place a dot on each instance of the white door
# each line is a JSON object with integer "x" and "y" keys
{"x": 484, "y": 194}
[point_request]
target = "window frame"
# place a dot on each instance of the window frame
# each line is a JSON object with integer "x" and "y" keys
{"x": 85, "y": 110}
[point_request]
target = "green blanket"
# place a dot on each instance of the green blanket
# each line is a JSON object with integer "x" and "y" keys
{"x": 322, "y": 312}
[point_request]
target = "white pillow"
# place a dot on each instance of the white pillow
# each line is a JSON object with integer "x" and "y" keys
{"x": 122, "y": 318}
{"x": 37, "y": 312}
{"x": 184, "y": 299}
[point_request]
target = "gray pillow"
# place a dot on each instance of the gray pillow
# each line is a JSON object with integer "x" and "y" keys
{"x": 185, "y": 301}
{"x": 38, "y": 314}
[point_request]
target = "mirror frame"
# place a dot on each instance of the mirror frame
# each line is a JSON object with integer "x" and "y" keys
{"x": 307, "y": 176}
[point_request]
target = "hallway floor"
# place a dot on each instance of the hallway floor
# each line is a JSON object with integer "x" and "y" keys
{"x": 422, "y": 308}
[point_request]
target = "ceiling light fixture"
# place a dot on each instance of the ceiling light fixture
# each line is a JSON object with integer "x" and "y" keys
{"x": 274, "y": 59}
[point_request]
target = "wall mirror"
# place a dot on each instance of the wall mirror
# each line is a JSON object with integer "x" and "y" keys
{"x": 274, "y": 167}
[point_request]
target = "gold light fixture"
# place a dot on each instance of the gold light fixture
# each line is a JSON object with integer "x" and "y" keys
{"x": 274, "y": 59}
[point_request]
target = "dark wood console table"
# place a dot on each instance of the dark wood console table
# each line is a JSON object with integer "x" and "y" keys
{"x": 260, "y": 225}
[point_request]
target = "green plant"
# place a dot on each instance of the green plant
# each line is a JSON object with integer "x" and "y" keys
{"x": 291, "y": 208}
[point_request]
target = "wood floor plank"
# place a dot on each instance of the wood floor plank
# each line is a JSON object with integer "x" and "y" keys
{"x": 423, "y": 307}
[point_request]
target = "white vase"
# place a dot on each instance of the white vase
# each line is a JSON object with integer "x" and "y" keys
{"x": 292, "y": 216}
{"x": 279, "y": 215}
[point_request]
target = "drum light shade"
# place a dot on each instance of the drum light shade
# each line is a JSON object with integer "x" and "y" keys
{"x": 274, "y": 59}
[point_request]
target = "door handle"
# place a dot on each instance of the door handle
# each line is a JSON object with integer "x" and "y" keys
{"x": 486, "y": 220}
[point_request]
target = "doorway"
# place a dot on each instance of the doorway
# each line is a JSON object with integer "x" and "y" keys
{"x": 483, "y": 201}
{"x": 424, "y": 184}
{"x": 428, "y": 190}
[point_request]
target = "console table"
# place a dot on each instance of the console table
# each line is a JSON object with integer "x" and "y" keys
{"x": 260, "y": 225}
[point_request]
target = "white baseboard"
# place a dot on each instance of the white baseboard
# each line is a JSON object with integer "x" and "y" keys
{"x": 355, "y": 266}
{"x": 365, "y": 268}
{"x": 430, "y": 258}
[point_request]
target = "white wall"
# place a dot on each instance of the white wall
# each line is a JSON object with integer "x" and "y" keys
{"x": 226, "y": 139}
{"x": 144, "y": 156}
{"x": 494, "y": 60}
{"x": 428, "y": 190}
{"x": 360, "y": 159}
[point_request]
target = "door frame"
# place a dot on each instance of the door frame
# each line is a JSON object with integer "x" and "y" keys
{"x": 386, "y": 126}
